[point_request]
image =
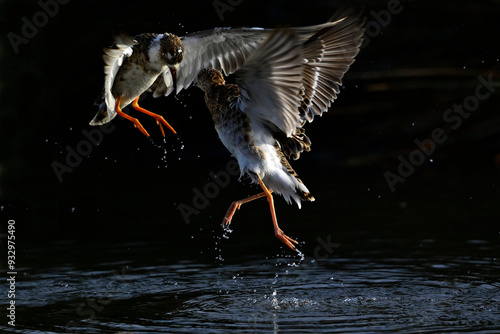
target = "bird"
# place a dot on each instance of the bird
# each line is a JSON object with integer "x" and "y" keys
{"x": 132, "y": 65}
{"x": 165, "y": 63}
{"x": 260, "y": 119}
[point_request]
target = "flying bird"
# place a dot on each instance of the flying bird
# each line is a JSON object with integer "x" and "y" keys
{"x": 165, "y": 63}
{"x": 286, "y": 81}
{"x": 131, "y": 67}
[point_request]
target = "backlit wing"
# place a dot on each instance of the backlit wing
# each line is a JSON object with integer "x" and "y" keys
{"x": 327, "y": 56}
{"x": 113, "y": 58}
{"x": 270, "y": 82}
{"x": 224, "y": 49}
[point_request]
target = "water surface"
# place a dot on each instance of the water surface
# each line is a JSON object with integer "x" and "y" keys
{"x": 132, "y": 288}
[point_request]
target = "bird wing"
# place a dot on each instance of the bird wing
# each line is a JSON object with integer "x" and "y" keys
{"x": 328, "y": 55}
{"x": 113, "y": 59}
{"x": 224, "y": 49}
{"x": 270, "y": 82}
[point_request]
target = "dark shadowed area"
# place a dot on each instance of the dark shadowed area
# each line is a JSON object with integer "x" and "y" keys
{"x": 115, "y": 232}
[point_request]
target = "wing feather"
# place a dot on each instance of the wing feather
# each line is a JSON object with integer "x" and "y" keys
{"x": 113, "y": 59}
{"x": 270, "y": 82}
{"x": 327, "y": 55}
{"x": 224, "y": 49}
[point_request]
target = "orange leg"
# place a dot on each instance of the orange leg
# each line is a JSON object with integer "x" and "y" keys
{"x": 277, "y": 231}
{"x": 159, "y": 119}
{"x": 236, "y": 206}
{"x": 267, "y": 193}
{"x": 136, "y": 122}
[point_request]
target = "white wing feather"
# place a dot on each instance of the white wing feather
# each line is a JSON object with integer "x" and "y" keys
{"x": 270, "y": 82}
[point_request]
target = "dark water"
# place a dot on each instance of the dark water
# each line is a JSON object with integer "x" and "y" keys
{"x": 412, "y": 287}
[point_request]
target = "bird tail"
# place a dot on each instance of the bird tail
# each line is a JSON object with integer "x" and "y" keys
{"x": 103, "y": 116}
{"x": 301, "y": 191}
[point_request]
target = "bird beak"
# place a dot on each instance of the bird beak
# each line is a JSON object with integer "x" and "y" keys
{"x": 173, "y": 71}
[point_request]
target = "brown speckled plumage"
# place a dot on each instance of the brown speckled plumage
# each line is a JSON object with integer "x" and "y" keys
{"x": 258, "y": 157}
{"x": 132, "y": 66}
{"x": 304, "y": 196}
{"x": 285, "y": 82}
{"x": 219, "y": 97}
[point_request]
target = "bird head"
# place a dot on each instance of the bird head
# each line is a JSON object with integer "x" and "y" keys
{"x": 172, "y": 51}
{"x": 208, "y": 77}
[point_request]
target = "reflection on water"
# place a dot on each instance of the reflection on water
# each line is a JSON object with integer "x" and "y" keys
{"x": 399, "y": 290}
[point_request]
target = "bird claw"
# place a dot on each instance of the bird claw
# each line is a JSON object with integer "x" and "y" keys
{"x": 159, "y": 119}
{"x": 230, "y": 213}
{"x": 286, "y": 239}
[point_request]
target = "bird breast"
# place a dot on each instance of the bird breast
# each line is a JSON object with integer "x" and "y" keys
{"x": 236, "y": 134}
{"x": 133, "y": 79}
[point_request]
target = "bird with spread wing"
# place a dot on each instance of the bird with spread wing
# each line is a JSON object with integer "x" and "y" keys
{"x": 164, "y": 63}
{"x": 287, "y": 80}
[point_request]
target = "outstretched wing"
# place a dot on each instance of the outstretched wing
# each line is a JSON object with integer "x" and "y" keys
{"x": 270, "y": 82}
{"x": 113, "y": 58}
{"x": 296, "y": 74}
{"x": 225, "y": 49}
{"x": 328, "y": 55}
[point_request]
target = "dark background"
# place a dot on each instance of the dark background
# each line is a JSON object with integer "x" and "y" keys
{"x": 128, "y": 188}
